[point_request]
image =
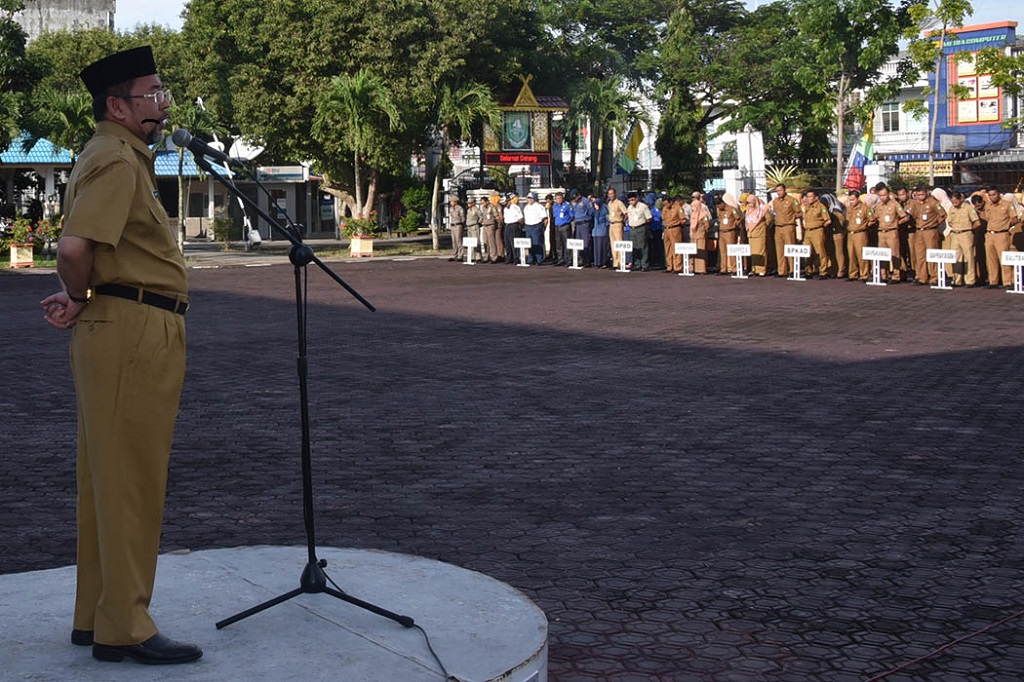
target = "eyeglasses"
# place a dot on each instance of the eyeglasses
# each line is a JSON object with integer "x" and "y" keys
{"x": 159, "y": 97}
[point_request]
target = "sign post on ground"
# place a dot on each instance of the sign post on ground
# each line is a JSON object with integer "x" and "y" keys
{"x": 738, "y": 251}
{"x": 1015, "y": 259}
{"x": 469, "y": 243}
{"x": 942, "y": 257}
{"x": 876, "y": 254}
{"x": 623, "y": 248}
{"x": 523, "y": 244}
{"x": 575, "y": 245}
{"x": 797, "y": 252}
{"x": 686, "y": 249}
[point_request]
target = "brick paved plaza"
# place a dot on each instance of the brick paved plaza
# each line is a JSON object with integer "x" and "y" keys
{"x": 696, "y": 479}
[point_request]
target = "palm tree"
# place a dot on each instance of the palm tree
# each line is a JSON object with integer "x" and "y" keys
{"x": 606, "y": 104}
{"x": 459, "y": 108}
{"x": 63, "y": 117}
{"x": 354, "y": 111}
{"x": 199, "y": 122}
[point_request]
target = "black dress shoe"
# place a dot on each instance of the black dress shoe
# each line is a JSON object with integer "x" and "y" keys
{"x": 157, "y": 650}
{"x": 81, "y": 637}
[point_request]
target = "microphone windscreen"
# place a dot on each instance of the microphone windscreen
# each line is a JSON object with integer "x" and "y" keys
{"x": 181, "y": 137}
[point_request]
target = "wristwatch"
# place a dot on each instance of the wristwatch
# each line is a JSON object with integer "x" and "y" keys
{"x": 79, "y": 299}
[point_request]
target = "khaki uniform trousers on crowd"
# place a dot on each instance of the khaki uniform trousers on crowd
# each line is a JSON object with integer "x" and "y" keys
{"x": 964, "y": 270}
{"x": 490, "y": 241}
{"x": 758, "y": 238}
{"x": 699, "y": 236}
{"x": 784, "y": 234}
{"x": 817, "y": 238}
{"x": 926, "y": 238}
{"x": 838, "y": 251}
{"x": 128, "y": 363}
{"x": 995, "y": 244}
{"x": 670, "y": 237}
{"x": 615, "y": 233}
{"x": 725, "y": 238}
{"x": 858, "y": 268}
{"x": 889, "y": 238}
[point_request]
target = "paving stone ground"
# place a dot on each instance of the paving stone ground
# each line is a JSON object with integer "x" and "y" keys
{"x": 697, "y": 479}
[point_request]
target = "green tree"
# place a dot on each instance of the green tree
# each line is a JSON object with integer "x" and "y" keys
{"x": 460, "y": 110}
{"x": 1007, "y": 71}
{"x": 610, "y": 110}
{"x": 64, "y": 117}
{"x": 355, "y": 113}
{"x": 925, "y": 53}
{"x": 19, "y": 72}
{"x": 849, "y": 42}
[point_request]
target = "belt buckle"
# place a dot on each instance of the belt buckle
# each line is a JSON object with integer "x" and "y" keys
{"x": 181, "y": 307}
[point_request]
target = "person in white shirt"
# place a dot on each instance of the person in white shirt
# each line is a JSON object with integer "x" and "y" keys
{"x": 535, "y": 215}
{"x": 639, "y": 232}
{"x": 513, "y": 216}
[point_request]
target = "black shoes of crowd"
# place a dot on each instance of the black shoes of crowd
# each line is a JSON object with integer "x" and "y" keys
{"x": 157, "y": 650}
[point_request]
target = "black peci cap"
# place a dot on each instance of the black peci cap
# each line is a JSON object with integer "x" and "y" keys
{"x": 118, "y": 68}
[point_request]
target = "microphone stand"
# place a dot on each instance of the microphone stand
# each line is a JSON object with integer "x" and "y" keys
{"x": 313, "y": 579}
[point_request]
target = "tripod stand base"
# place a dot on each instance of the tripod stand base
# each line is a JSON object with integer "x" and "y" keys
{"x": 480, "y": 628}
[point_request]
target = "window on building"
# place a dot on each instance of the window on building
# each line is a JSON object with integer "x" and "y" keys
{"x": 890, "y": 117}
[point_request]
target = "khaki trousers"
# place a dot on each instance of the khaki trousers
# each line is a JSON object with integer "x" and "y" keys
{"x": 995, "y": 244}
{"x": 615, "y": 232}
{"x": 670, "y": 237}
{"x": 491, "y": 242}
{"x": 758, "y": 253}
{"x": 964, "y": 271}
{"x": 817, "y": 239}
{"x": 926, "y": 273}
{"x": 858, "y": 268}
{"x": 838, "y": 253}
{"x": 891, "y": 240}
{"x": 784, "y": 234}
{"x": 128, "y": 363}
{"x": 725, "y": 238}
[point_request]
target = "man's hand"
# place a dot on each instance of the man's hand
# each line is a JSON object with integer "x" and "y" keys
{"x": 60, "y": 311}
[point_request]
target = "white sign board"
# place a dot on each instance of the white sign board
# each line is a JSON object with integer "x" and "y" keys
{"x": 940, "y": 256}
{"x": 686, "y": 248}
{"x": 876, "y": 253}
{"x": 735, "y": 250}
{"x": 522, "y": 242}
{"x": 573, "y": 244}
{"x": 622, "y": 247}
{"x": 797, "y": 251}
{"x": 470, "y": 242}
{"x": 1012, "y": 258}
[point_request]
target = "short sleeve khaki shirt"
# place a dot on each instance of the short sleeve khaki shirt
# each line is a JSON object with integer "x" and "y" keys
{"x": 112, "y": 199}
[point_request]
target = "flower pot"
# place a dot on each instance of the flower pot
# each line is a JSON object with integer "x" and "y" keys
{"x": 361, "y": 246}
{"x": 21, "y": 255}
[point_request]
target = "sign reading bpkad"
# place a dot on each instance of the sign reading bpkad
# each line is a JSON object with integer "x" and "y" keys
{"x": 516, "y": 158}
{"x": 797, "y": 251}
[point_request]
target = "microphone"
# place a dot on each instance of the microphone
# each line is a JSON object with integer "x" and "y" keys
{"x": 183, "y": 138}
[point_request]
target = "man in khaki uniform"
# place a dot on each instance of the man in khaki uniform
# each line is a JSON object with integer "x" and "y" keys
{"x": 962, "y": 221}
{"x": 1001, "y": 216}
{"x": 673, "y": 217}
{"x": 730, "y": 221}
{"x": 125, "y": 294}
{"x": 786, "y": 212}
{"x": 616, "y": 221}
{"x": 890, "y": 215}
{"x": 457, "y": 226}
{"x": 859, "y": 219}
{"x": 817, "y": 220}
{"x": 928, "y": 216}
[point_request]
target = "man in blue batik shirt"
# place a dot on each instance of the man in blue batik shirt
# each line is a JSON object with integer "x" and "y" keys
{"x": 562, "y": 214}
{"x": 583, "y": 221}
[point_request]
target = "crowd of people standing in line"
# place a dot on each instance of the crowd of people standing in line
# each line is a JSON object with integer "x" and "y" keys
{"x": 837, "y": 229}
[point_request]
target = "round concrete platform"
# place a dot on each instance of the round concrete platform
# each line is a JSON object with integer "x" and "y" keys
{"x": 481, "y": 629}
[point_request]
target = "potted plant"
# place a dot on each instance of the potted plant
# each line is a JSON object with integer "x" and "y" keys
{"x": 21, "y": 238}
{"x": 361, "y": 232}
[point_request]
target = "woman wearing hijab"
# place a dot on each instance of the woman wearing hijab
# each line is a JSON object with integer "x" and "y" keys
{"x": 758, "y": 222}
{"x": 700, "y": 221}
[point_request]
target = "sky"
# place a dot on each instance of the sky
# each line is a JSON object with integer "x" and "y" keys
{"x": 132, "y": 12}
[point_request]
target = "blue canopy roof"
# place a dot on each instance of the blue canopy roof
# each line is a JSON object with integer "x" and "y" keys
{"x": 42, "y": 152}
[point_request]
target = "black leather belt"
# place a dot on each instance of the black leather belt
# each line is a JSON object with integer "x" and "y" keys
{"x": 998, "y": 231}
{"x": 891, "y": 229}
{"x": 961, "y": 231}
{"x": 858, "y": 231}
{"x": 812, "y": 229}
{"x": 926, "y": 229}
{"x": 143, "y": 296}
{"x": 732, "y": 230}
